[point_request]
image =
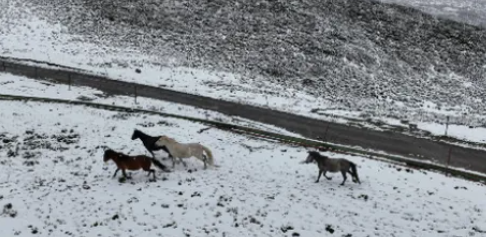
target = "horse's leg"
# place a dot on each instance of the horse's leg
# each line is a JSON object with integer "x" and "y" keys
{"x": 205, "y": 160}
{"x": 183, "y": 162}
{"x": 169, "y": 156}
{"x": 125, "y": 174}
{"x": 344, "y": 176}
{"x": 173, "y": 162}
{"x": 319, "y": 176}
{"x": 116, "y": 171}
{"x": 328, "y": 178}
{"x": 153, "y": 173}
{"x": 352, "y": 176}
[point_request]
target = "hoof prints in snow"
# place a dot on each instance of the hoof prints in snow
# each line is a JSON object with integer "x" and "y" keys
{"x": 259, "y": 189}
{"x": 30, "y": 146}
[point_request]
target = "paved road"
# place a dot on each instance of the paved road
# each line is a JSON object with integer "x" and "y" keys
{"x": 393, "y": 143}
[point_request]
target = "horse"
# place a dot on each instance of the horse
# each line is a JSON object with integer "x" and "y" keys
{"x": 186, "y": 150}
{"x": 149, "y": 142}
{"x": 333, "y": 165}
{"x": 126, "y": 162}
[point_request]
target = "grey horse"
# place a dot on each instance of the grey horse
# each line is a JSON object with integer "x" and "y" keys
{"x": 333, "y": 165}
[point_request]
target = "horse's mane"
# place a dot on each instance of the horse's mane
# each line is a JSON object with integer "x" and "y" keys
{"x": 317, "y": 155}
{"x": 168, "y": 139}
{"x": 120, "y": 155}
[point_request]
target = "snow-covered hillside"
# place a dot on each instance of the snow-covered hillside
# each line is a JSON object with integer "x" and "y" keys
{"x": 54, "y": 182}
{"x": 470, "y": 11}
{"x": 356, "y": 58}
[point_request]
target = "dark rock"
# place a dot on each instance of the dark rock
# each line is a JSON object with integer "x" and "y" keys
{"x": 286, "y": 228}
{"x": 476, "y": 229}
{"x": 329, "y": 229}
{"x": 363, "y": 196}
{"x": 457, "y": 187}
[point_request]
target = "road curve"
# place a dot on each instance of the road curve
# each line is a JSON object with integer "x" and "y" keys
{"x": 393, "y": 143}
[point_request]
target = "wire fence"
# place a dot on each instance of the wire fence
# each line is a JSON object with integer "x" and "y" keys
{"x": 71, "y": 76}
{"x": 270, "y": 136}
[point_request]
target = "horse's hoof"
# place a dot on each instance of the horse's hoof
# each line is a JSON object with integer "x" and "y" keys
{"x": 316, "y": 181}
{"x": 152, "y": 180}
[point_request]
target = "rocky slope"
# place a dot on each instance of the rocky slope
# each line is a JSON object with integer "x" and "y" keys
{"x": 357, "y": 53}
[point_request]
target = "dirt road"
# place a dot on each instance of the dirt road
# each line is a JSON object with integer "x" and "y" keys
{"x": 393, "y": 143}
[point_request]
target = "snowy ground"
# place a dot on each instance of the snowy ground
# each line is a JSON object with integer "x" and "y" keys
{"x": 33, "y": 34}
{"x": 53, "y": 182}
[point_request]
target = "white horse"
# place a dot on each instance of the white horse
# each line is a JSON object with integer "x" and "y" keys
{"x": 186, "y": 150}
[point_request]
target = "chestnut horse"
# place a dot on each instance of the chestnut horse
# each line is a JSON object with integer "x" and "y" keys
{"x": 126, "y": 162}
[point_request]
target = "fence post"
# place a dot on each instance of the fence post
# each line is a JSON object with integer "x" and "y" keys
{"x": 325, "y": 133}
{"x": 135, "y": 90}
{"x": 447, "y": 125}
{"x": 69, "y": 81}
{"x": 4, "y": 67}
{"x": 449, "y": 160}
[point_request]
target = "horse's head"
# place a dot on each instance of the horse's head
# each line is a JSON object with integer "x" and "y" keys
{"x": 311, "y": 157}
{"x": 108, "y": 155}
{"x": 135, "y": 134}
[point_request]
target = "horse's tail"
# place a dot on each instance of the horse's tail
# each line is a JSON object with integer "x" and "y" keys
{"x": 210, "y": 155}
{"x": 354, "y": 170}
{"x": 159, "y": 164}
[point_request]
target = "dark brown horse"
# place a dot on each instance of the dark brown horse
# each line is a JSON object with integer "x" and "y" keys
{"x": 333, "y": 165}
{"x": 126, "y": 162}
